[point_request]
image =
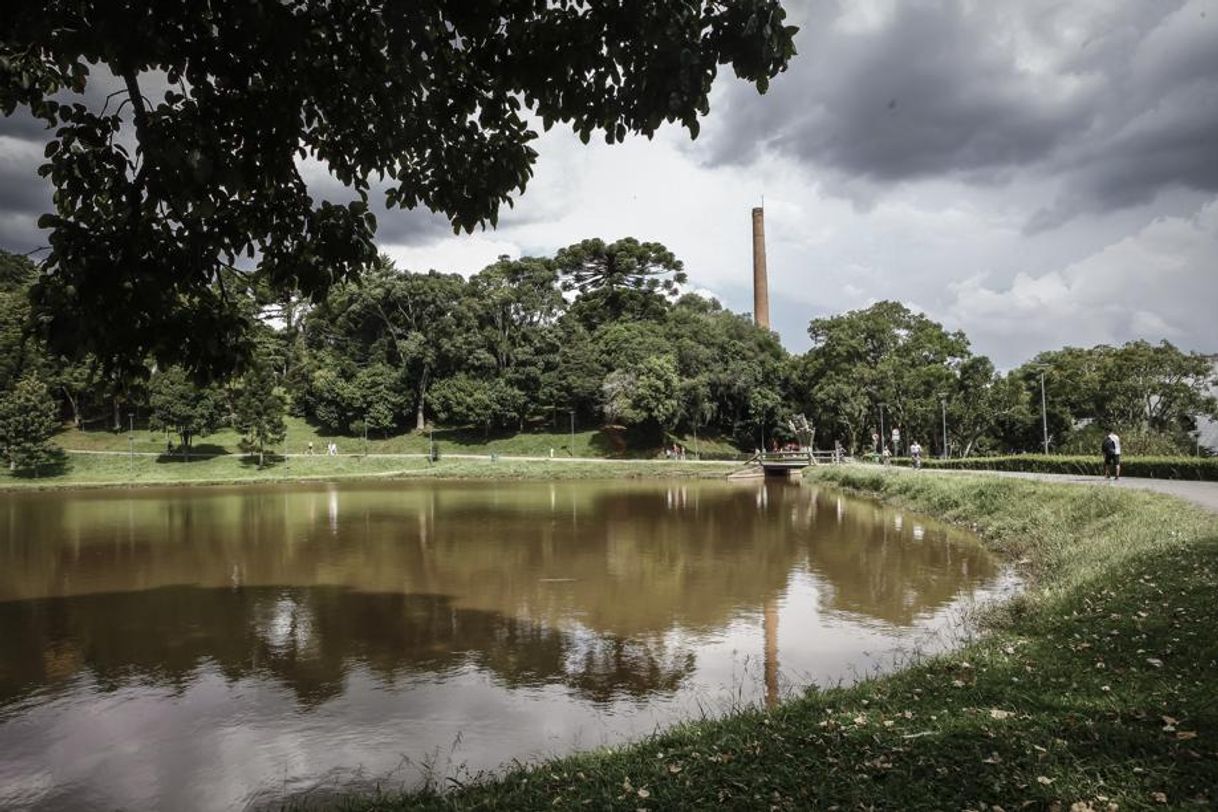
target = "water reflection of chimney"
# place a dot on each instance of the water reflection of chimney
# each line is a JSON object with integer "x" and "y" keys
{"x": 770, "y": 622}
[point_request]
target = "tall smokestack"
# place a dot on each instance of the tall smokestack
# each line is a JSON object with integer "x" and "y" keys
{"x": 761, "y": 291}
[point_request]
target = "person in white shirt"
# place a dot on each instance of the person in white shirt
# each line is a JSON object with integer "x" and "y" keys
{"x": 915, "y": 451}
{"x": 1111, "y": 449}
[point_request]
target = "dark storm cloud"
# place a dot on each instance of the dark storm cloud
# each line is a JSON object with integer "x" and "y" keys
{"x": 23, "y": 195}
{"x": 1118, "y": 103}
{"x": 398, "y": 227}
{"x": 21, "y": 190}
{"x": 393, "y": 226}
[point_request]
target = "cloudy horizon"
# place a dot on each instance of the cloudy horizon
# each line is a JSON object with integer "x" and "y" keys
{"x": 1034, "y": 174}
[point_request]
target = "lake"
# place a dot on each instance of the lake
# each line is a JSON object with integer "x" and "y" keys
{"x": 218, "y": 648}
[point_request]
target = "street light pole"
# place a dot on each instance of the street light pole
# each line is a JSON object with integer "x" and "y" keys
{"x": 943, "y": 405}
{"x": 131, "y": 441}
{"x": 880, "y": 450}
{"x": 572, "y": 431}
{"x": 1044, "y": 415}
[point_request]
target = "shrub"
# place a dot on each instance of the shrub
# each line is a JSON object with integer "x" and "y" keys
{"x": 1202, "y": 468}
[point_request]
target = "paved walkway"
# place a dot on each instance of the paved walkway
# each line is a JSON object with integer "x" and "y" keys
{"x": 1204, "y": 494}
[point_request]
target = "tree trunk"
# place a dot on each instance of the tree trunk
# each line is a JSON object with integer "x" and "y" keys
{"x": 75, "y": 408}
{"x": 419, "y": 422}
{"x": 118, "y": 417}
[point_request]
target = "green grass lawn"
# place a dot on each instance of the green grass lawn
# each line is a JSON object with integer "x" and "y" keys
{"x": 89, "y": 470}
{"x": 587, "y": 443}
{"x": 1096, "y": 689}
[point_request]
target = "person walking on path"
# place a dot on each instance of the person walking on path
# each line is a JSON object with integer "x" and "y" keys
{"x": 915, "y": 451}
{"x": 1111, "y": 448}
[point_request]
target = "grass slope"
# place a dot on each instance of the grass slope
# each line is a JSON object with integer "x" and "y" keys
{"x": 1203, "y": 468}
{"x": 589, "y": 443}
{"x": 1094, "y": 690}
{"x": 97, "y": 470}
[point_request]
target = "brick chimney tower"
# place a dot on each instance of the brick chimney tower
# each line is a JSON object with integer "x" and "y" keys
{"x": 761, "y": 289}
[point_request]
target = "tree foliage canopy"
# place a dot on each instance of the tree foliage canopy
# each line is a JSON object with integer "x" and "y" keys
{"x": 506, "y": 350}
{"x": 28, "y": 420}
{"x": 195, "y": 161}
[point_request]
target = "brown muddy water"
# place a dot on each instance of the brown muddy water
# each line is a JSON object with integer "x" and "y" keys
{"x": 219, "y": 648}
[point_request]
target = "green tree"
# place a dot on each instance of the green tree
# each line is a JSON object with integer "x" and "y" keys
{"x": 179, "y": 405}
{"x": 258, "y": 412}
{"x": 422, "y": 326}
{"x": 742, "y": 366}
{"x": 517, "y": 305}
{"x": 28, "y": 420}
{"x": 883, "y": 354}
{"x": 621, "y": 280}
{"x": 465, "y": 400}
{"x": 331, "y": 399}
{"x": 436, "y": 96}
{"x": 646, "y": 393}
{"x": 1151, "y": 393}
{"x": 16, "y": 275}
{"x": 574, "y": 382}
{"x": 980, "y": 406}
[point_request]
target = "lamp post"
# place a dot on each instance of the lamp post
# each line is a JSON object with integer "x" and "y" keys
{"x": 1044, "y": 415}
{"x": 943, "y": 407}
{"x": 131, "y": 441}
{"x": 880, "y": 450}
{"x": 572, "y": 411}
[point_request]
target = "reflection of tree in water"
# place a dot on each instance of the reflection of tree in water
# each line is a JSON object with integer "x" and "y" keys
{"x": 526, "y": 567}
{"x": 308, "y": 640}
{"x": 878, "y": 564}
{"x": 611, "y": 666}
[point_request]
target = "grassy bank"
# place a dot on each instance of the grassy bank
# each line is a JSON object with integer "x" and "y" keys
{"x": 101, "y": 470}
{"x": 1095, "y": 690}
{"x": 599, "y": 442}
{"x": 1202, "y": 468}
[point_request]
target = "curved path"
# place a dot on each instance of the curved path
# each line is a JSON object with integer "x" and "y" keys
{"x": 1204, "y": 494}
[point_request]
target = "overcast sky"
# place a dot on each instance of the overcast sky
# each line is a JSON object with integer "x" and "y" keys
{"x": 1034, "y": 173}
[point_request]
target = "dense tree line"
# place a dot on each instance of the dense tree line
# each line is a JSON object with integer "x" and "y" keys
{"x": 600, "y": 334}
{"x": 174, "y": 133}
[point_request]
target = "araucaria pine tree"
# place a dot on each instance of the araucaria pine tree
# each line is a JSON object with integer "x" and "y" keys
{"x": 258, "y": 412}
{"x": 27, "y": 423}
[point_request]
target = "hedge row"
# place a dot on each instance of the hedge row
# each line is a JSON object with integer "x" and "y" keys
{"x": 1204, "y": 468}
